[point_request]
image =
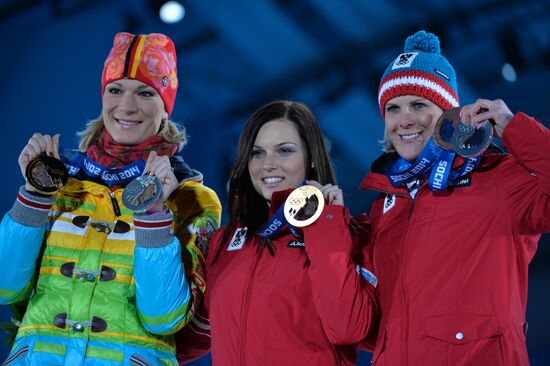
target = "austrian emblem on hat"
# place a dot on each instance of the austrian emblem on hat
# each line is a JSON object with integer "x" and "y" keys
{"x": 404, "y": 60}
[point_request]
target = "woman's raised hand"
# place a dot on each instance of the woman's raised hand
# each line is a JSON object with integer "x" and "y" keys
{"x": 160, "y": 167}
{"x": 332, "y": 193}
{"x": 38, "y": 144}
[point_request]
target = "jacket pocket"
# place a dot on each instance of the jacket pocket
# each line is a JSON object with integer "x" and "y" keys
{"x": 16, "y": 355}
{"x": 453, "y": 339}
{"x": 136, "y": 360}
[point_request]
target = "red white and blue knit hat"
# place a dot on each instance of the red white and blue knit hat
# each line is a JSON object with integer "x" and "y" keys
{"x": 421, "y": 70}
{"x": 149, "y": 58}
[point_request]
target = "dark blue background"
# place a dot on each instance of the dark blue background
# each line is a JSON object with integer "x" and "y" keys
{"x": 236, "y": 55}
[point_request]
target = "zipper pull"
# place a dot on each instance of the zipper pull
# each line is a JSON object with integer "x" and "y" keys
{"x": 116, "y": 207}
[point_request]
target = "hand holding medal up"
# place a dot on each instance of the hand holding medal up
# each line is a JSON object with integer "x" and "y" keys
{"x": 482, "y": 110}
{"x": 304, "y": 205}
{"x": 466, "y": 140}
{"x": 469, "y": 130}
{"x": 148, "y": 192}
{"x": 40, "y": 165}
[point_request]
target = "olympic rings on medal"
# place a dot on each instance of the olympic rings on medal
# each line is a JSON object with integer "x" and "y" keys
{"x": 466, "y": 140}
{"x": 304, "y": 206}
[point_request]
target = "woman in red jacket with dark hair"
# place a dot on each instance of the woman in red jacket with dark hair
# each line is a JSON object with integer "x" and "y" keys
{"x": 453, "y": 235}
{"x": 278, "y": 295}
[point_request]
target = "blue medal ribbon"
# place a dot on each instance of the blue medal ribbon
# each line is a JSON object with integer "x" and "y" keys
{"x": 76, "y": 161}
{"x": 433, "y": 159}
{"x": 401, "y": 171}
{"x": 441, "y": 170}
{"x": 276, "y": 223}
{"x": 469, "y": 165}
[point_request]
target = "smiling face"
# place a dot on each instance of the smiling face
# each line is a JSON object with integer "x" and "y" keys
{"x": 132, "y": 111}
{"x": 279, "y": 158}
{"x": 410, "y": 122}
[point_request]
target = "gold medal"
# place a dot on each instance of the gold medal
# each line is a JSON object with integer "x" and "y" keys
{"x": 304, "y": 205}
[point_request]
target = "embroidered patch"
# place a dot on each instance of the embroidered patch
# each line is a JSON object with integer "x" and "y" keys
{"x": 389, "y": 202}
{"x": 238, "y": 239}
{"x": 367, "y": 275}
{"x": 295, "y": 244}
{"x": 202, "y": 228}
{"x": 404, "y": 60}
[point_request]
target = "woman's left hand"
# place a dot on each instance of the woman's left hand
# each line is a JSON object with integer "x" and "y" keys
{"x": 333, "y": 194}
{"x": 484, "y": 109}
{"x": 160, "y": 167}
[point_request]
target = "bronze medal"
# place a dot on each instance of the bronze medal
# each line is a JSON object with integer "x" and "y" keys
{"x": 467, "y": 141}
{"x": 46, "y": 174}
{"x": 445, "y": 127}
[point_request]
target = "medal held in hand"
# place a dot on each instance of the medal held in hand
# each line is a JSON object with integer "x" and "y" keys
{"x": 304, "y": 205}
{"x": 467, "y": 141}
{"x": 143, "y": 193}
{"x": 46, "y": 174}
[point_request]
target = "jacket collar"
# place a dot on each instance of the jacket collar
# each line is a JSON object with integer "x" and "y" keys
{"x": 183, "y": 171}
{"x": 278, "y": 199}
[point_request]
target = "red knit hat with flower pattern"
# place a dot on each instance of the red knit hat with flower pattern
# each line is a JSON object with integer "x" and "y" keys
{"x": 149, "y": 58}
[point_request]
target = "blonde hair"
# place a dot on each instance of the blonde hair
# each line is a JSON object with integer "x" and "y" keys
{"x": 387, "y": 145}
{"x": 171, "y": 132}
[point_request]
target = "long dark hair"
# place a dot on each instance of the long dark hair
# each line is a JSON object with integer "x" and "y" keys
{"x": 245, "y": 205}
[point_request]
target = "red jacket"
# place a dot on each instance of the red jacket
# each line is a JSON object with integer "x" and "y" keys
{"x": 452, "y": 266}
{"x": 304, "y": 305}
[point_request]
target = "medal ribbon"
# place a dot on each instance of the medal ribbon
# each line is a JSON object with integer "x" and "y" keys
{"x": 401, "y": 171}
{"x": 76, "y": 161}
{"x": 434, "y": 159}
{"x": 276, "y": 223}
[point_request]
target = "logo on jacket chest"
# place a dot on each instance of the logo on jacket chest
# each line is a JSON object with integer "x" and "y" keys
{"x": 295, "y": 244}
{"x": 238, "y": 239}
{"x": 466, "y": 182}
{"x": 389, "y": 202}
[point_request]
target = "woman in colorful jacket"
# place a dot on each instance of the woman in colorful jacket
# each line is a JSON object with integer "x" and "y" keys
{"x": 107, "y": 285}
{"x": 278, "y": 295}
{"x": 452, "y": 247}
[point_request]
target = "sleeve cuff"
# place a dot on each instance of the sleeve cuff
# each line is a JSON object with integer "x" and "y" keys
{"x": 516, "y": 124}
{"x": 153, "y": 231}
{"x": 31, "y": 209}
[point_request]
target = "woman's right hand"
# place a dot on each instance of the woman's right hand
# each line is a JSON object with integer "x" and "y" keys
{"x": 38, "y": 144}
{"x": 333, "y": 194}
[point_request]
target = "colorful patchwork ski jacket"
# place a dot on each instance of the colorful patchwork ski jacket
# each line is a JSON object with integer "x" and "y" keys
{"x": 106, "y": 286}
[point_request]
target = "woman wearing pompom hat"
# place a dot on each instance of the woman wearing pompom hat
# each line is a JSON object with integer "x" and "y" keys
{"x": 109, "y": 279}
{"x": 453, "y": 235}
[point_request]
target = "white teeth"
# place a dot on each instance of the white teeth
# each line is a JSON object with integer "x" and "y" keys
{"x": 409, "y": 137}
{"x": 271, "y": 180}
{"x": 127, "y": 122}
